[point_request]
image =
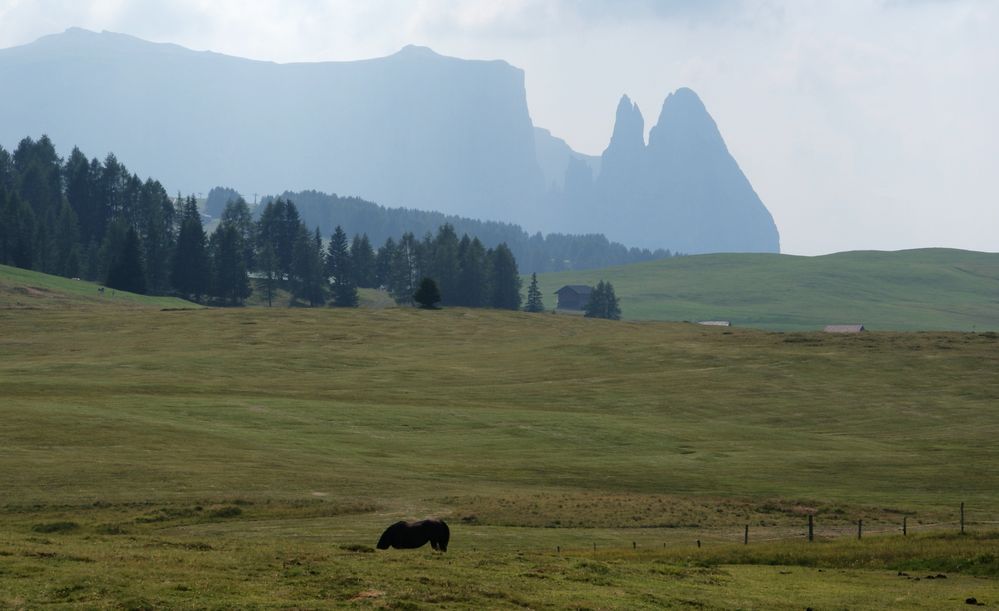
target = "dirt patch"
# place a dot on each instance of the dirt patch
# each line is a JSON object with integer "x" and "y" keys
{"x": 368, "y": 595}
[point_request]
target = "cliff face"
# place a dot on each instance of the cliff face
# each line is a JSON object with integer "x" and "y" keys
{"x": 414, "y": 129}
{"x": 683, "y": 190}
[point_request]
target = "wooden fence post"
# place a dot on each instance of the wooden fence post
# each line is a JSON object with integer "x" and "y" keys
{"x": 811, "y": 528}
{"x": 905, "y": 530}
{"x": 860, "y": 529}
{"x": 745, "y": 537}
{"x": 634, "y": 545}
{"x": 698, "y": 543}
{"x": 962, "y": 517}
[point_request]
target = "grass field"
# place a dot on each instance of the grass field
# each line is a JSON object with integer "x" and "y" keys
{"x": 250, "y": 458}
{"x": 931, "y": 289}
{"x": 25, "y": 289}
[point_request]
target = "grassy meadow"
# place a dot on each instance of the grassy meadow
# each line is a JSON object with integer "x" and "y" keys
{"x": 932, "y": 289}
{"x": 250, "y": 458}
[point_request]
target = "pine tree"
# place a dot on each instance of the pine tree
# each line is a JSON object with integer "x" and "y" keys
{"x": 472, "y": 273}
{"x": 191, "y": 272}
{"x": 267, "y": 263}
{"x": 309, "y": 277}
{"x": 230, "y": 282}
{"x": 17, "y": 224}
{"x": 67, "y": 243}
{"x": 603, "y": 303}
{"x": 237, "y": 213}
{"x": 126, "y": 271}
{"x": 362, "y": 258}
{"x": 534, "y": 300}
{"x": 443, "y": 260}
{"x": 505, "y": 279}
{"x": 383, "y": 263}
{"x": 338, "y": 267}
{"x": 428, "y": 295}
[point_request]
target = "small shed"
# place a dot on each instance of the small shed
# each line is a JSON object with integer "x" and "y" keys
{"x": 844, "y": 328}
{"x": 573, "y": 296}
{"x": 715, "y": 323}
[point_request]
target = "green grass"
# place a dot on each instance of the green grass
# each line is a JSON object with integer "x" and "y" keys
{"x": 929, "y": 289}
{"x": 249, "y": 457}
{"x": 26, "y": 289}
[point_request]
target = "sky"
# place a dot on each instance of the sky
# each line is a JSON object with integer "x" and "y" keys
{"x": 862, "y": 124}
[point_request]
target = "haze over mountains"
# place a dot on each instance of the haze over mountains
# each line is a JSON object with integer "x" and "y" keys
{"x": 414, "y": 129}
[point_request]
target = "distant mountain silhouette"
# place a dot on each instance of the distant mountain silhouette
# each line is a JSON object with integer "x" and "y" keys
{"x": 684, "y": 185}
{"x": 414, "y": 129}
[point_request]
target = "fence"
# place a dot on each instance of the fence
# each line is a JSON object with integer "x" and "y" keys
{"x": 811, "y": 529}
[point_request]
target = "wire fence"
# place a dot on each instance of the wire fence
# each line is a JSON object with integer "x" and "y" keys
{"x": 812, "y": 529}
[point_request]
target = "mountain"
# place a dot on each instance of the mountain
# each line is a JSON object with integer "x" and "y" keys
{"x": 415, "y": 130}
{"x": 684, "y": 188}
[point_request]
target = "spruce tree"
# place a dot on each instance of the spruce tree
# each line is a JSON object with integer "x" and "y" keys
{"x": 603, "y": 303}
{"x": 505, "y": 279}
{"x": 383, "y": 263}
{"x": 67, "y": 243}
{"x": 428, "y": 295}
{"x": 362, "y": 258}
{"x": 534, "y": 300}
{"x": 230, "y": 282}
{"x": 472, "y": 273}
{"x": 310, "y": 281}
{"x": 338, "y": 267}
{"x": 191, "y": 273}
{"x": 267, "y": 263}
{"x": 126, "y": 271}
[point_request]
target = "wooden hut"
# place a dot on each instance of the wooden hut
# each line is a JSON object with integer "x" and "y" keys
{"x": 573, "y": 296}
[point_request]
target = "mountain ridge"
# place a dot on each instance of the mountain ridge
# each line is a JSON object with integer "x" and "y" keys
{"x": 414, "y": 129}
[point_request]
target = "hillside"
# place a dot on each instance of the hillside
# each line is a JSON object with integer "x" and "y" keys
{"x": 26, "y": 289}
{"x": 157, "y": 459}
{"x": 928, "y": 289}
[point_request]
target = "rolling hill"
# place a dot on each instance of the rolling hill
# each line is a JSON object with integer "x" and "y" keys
{"x": 926, "y": 289}
{"x": 26, "y": 289}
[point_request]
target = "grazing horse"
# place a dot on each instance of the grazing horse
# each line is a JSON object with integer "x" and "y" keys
{"x": 410, "y": 535}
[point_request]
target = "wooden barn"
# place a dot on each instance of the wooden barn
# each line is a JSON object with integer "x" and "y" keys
{"x": 573, "y": 296}
{"x": 844, "y": 328}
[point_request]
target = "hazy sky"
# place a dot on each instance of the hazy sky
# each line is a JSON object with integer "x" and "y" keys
{"x": 862, "y": 124}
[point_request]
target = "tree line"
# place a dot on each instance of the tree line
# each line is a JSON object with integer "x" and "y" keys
{"x": 87, "y": 218}
{"x": 538, "y": 252}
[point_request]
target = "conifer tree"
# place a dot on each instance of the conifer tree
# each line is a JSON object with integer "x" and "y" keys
{"x": 505, "y": 279}
{"x": 428, "y": 295}
{"x": 310, "y": 281}
{"x": 267, "y": 263}
{"x": 230, "y": 282}
{"x": 534, "y": 300}
{"x": 362, "y": 258}
{"x": 338, "y": 267}
{"x": 472, "y": 274}
{"x": 67, "y": 243}
{"x": 383, "y": 262}
{"x": 191, "y": 273}
{"x": 126, "y": 271}
{"x": 603, "y": 303}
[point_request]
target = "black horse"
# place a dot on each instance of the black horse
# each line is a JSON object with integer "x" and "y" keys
{"x": 410, "y": 535}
